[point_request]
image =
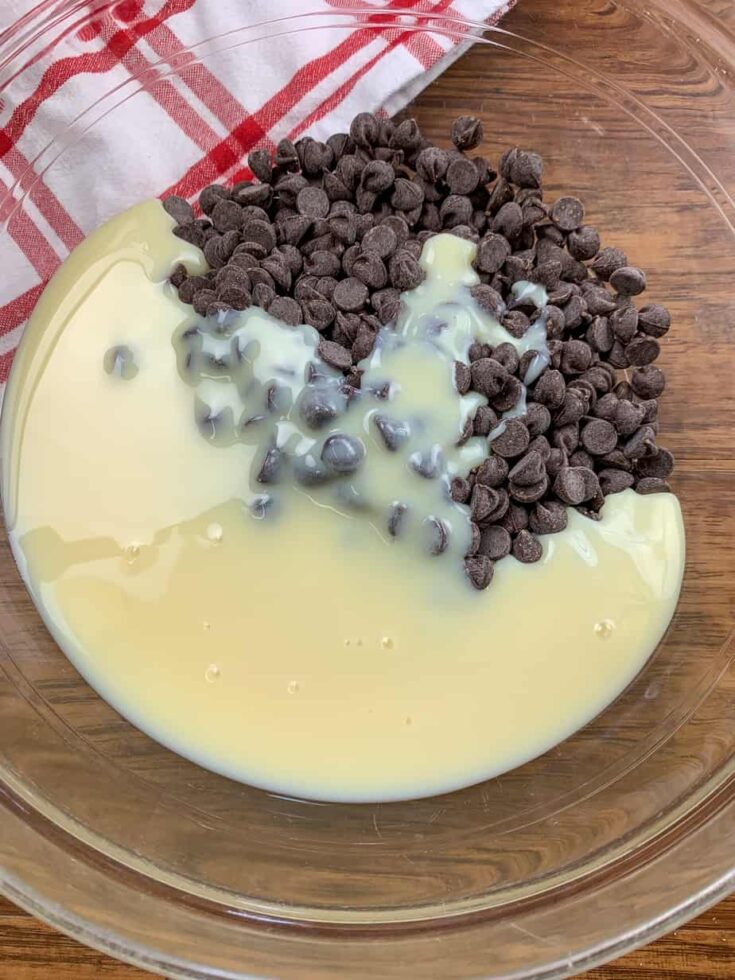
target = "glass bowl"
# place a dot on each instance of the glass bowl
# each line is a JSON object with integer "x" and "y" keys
{"x": 608, "y": 840}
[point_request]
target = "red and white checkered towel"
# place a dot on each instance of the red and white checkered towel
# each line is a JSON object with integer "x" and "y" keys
{"x": 184, "y": 126}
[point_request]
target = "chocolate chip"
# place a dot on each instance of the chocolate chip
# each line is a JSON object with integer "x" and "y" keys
{"x": 178, "y": 275}
{"x": 643, "y": 443}
{"x": 319, "y": 313}
{"x": 508, "y": 221}
{"x": 322, "y": 263}
{"x": 234, "y": 296}
{"x": 507, "y": 355}
{"x": 576, "y": 357}
{"x": 488, "y": 376}
{"x": 406, "y": 136}
{"x": 599, "y": 437}
{"x": 528, "y": 471}
{"x": 271, "y": 467}
{"x": 405, "y": 272}
{"x": 607, "y": 261}
{"x": 286, "y": 156}
{"x": 396, "y": 519}
{"x": 363, "y": 343}
{"x": 342, "y": 453}
{"x": 365, "y": 129}
{"x": 370, "y": 269}
{"x": 350, "y": 294}
{"x": 179, "y": 209}
{"x": 479, "y": 570}
{"x": 190, "y": 233}
{"x": 438, "y": 535}
{"x": 247, "y": 194}
{"x": 583, "y": 243}
{"x": 380, "y": 240}
{"x": 550, "y": 389}
{"x": 462, "y": 377}
{"x": 312, "y": 202}
{"x": 572, "y": 409}
{"x": 261, "y": 232}
{"x": 460, "y": 491}
{"x": 575, "y": 484}
{"x": 614, "y": 481}
{"x": 566, "y": 437}
{"x": 537, "y": 419}
{"x": 642, "y": 350}
{"x": 462, "y": 176}
{"x": 495, "y": 542}
{"x": 211, "y": 196}
{"x": 628, "y": 280}
{"x": 647, "y": 381}
{"x": 227, "y": 216}
{"x": 659, "y": 465}
{"x": 523, "y": 168}
{"x": 455, "y": 210}
{"x": 627, "y": 417}
{"x": 527, "y": 548}
{"x": 567, "y": 213}
{"x": 432, "y": 163}
{"x": 488, "y": 299}
{"x": 652, "y": 484}
{"x": 492, "y": 252}
{"x": 654, "y": 320}
{"x": 467, "y": 132}
{"x": 202, "y": 300}
{"x": 548, "y": 517}
{"x": 377, "y": 176}
{"x": 334, "y": 355}
{"x": 492, "y": 472}
{"x": 512, "y": 441}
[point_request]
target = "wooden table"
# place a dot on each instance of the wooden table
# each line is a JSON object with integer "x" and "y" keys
{"x": 703, "y": 949}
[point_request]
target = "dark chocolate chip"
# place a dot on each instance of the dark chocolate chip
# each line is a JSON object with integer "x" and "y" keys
{"x": 467, "y": 132}
{"x": 628, "y": 280}
{"x": 567, "y": 213}
{"x": 405, "y": 272}
{"x": 342, "y": 453}
{"x": 642, "y": 350}
{"x": 607, "y": 261}
{"x": 652, "y": 484}
{"x": 547, "y": 517}
{"x": 312, "y": 202}
{"x": 654, "y": 320}
{"x": 659, "y": 466}
{"x": 526, "y": 547}
{"x": 512, "y": 441}
{"x": 495, "y": 542}
{"x": 479, "y": 570}
{"x": 599, "y": 437}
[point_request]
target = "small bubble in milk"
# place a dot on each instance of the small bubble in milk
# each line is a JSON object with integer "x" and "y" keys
{"x": 387, "y": 642}
{"x": 293, "y": 687}
{"x": 215, "y": 533}
{"x": 604, "y": 628}
{"x": 212, "y": 674}
{"x": 206, "y": 625}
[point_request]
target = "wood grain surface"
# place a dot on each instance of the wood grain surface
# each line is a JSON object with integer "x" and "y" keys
{"x": 704, "y": 948}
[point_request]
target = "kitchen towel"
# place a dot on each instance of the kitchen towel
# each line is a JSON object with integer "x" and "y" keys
{"x": 104, "y": 103}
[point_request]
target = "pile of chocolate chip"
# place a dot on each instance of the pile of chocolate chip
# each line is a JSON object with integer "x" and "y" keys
{"x": 330, "y": 234}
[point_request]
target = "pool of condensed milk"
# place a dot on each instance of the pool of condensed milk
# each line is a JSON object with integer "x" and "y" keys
{"x": 309, "y": 654}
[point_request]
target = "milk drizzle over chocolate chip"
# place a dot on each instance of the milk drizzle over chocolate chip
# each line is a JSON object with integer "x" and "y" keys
{"x": 391, "y": 447}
